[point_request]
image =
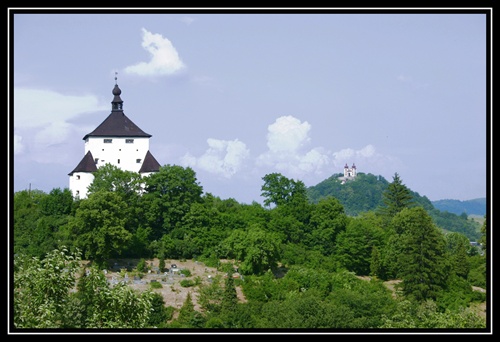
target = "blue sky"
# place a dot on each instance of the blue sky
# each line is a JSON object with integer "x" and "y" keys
{"x": 236, "y": 96}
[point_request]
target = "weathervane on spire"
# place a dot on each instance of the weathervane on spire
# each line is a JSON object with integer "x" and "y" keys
{"x": 116, "y": 73}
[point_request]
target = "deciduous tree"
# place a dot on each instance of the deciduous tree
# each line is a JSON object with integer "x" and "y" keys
{"x": 327, "y": 221}
{"x": 42, "y": 288}
{"x": 279, "y": 190}
{"x": 99, "y": 226}
{"x": 168, "y": 197}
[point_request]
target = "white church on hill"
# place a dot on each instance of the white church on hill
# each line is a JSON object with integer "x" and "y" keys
{"x": 349, "y": 173}
{"x": 117, "y": 141}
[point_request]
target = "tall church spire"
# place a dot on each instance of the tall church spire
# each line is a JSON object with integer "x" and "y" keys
{"x": 117, "y": 103}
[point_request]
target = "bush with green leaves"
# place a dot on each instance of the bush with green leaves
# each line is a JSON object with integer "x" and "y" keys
{"x": 42, "y": 288}
{"x": 187, "y": 283}
{"x": 186, "y": 272}
{"x": 142, "y": 266}
{"x": 155, "y": 284}
{"x": 45, "y": 296}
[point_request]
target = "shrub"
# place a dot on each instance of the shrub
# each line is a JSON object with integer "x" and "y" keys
{"x": 142, "y": 266}
{"x": 156, "y": 284}
{"x": 187, "y": 283}
{"x": 186, "y": 272}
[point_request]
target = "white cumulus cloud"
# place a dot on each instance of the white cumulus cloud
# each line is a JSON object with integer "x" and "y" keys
{"x": 314, "y": 161}
{"x": 54, "y": 133}
{"x": 223, "y": 157}
{"x": 164, "y": 57}
{"x": 42, "y": 117}
{"x": 287, "y": 134}
{"x": 349, "y": 155}
{"x": 367, "y": 160}
{"x": 287, "y": 153}
{"x": 49, "y": 107}
{"x": 287, "y": 138}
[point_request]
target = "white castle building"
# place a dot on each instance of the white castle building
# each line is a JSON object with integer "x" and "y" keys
{"x": 117, "y": 141}
{"x": 349, "y": 173}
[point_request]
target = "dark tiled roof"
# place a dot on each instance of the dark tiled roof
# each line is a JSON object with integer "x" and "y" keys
{"x": 87, "y": 164}
{"x": 150, "y": 164}
{"x": 117, "y": 124}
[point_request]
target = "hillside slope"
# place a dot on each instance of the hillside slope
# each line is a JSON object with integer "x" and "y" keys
{"x": 365, "y": 193}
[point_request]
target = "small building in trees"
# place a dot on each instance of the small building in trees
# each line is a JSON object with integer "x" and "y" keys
{"x": 349, "y": 173}
{"x": 117, "y": 141}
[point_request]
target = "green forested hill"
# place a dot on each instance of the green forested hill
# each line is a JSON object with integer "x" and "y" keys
{"x": 362, "y": 194}
{"x": 365, "y": 193}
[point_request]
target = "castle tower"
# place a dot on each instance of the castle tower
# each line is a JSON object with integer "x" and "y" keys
{"x": 117, "y": 141}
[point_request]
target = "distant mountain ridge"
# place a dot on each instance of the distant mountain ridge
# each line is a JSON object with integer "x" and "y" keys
{"x": 475, "y": 206}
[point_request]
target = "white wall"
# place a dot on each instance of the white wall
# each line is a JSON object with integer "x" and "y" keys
{"x": 79, "y": 182}
{"x": 119, "y": 153}
{"x": 127, "y": 156}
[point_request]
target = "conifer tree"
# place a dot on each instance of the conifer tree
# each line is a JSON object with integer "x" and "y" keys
{"x": 230, "y": 298}
{"x": 375, "y": 265}
{"x": 423, "y": 265}
{"x": 396, "y": 197}
{"x": 457, "y": 245}
{"x": 187, "y": 309}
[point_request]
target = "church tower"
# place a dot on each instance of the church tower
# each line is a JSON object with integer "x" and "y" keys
{"x": 117, "y": 141}
{"x": 349, "y": 172}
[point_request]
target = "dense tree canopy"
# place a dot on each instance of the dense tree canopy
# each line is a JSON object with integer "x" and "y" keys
{"x": 278, "y": 190}
{"x": 169, "y": 194}
{"x": 301, "y": 263}
{"x": 99, "y": 226}
{"x": 327, "y": 221}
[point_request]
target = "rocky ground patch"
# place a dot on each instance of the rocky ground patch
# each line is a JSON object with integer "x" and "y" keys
{"x": 173, "y": 293}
